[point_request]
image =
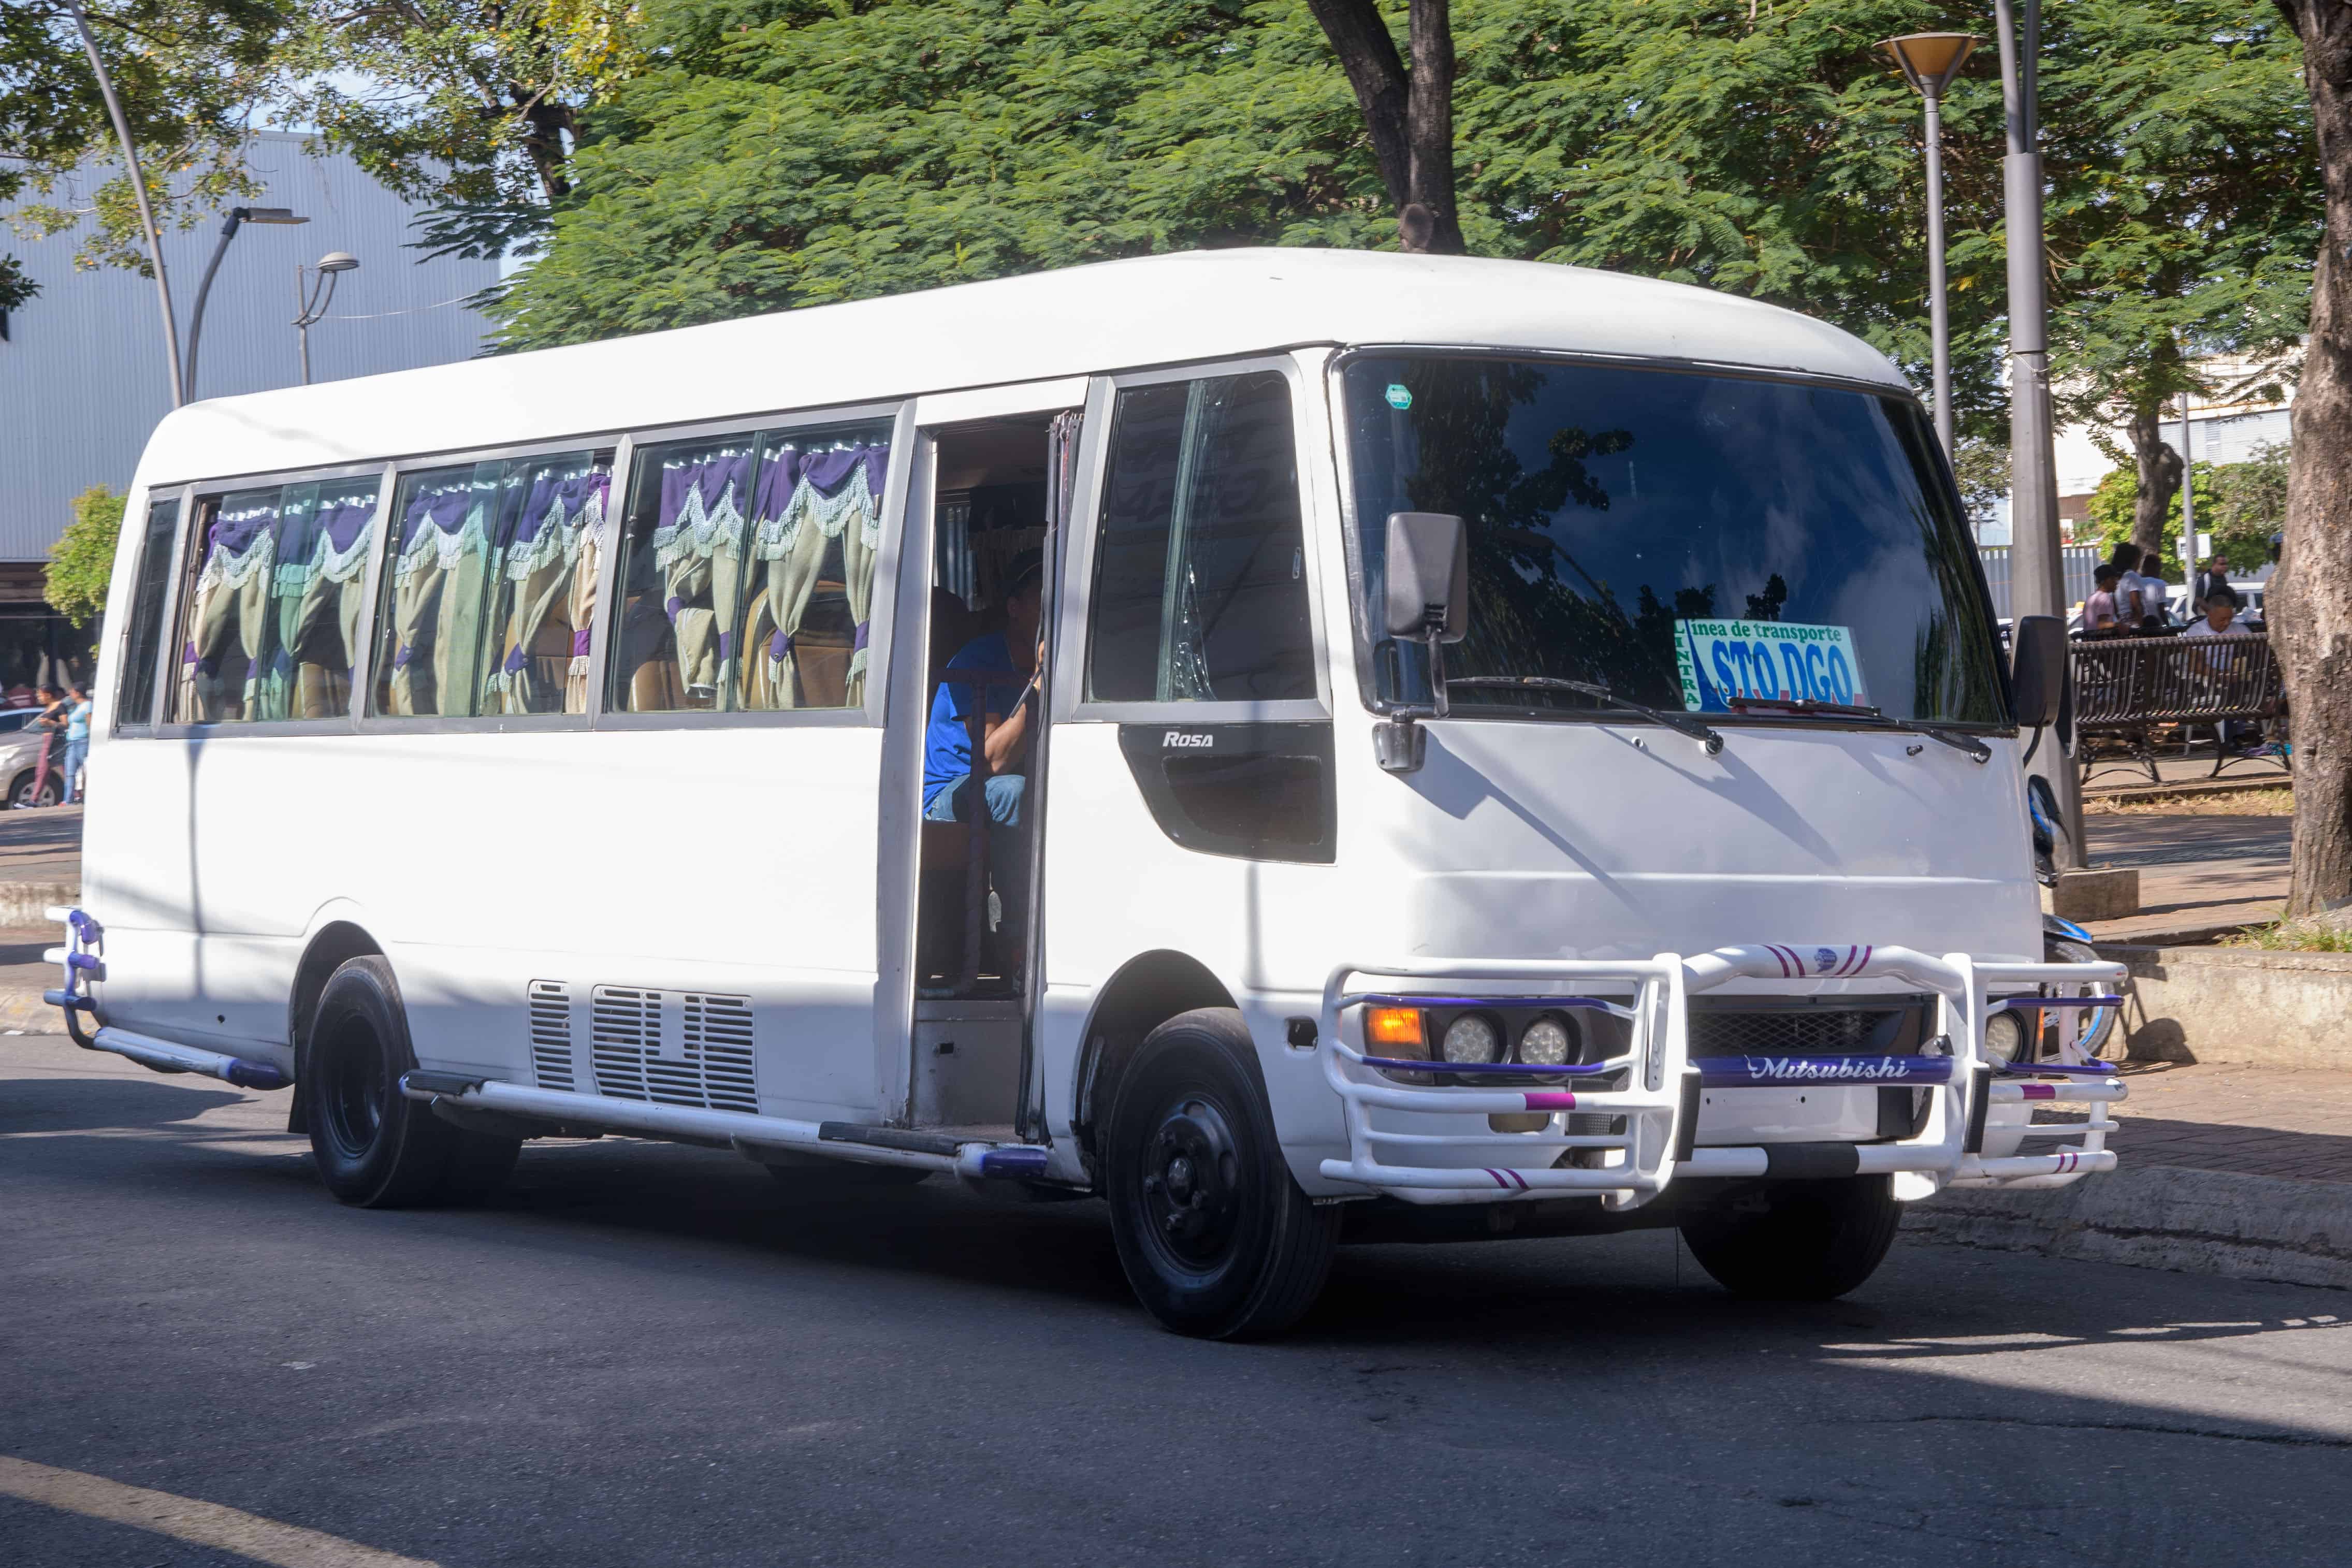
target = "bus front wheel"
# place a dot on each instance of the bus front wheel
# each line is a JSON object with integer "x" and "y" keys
{"x": 1796, "y": 1241}
{"x": 375, "y": 1147}
{"x": 1214, "y": 1235}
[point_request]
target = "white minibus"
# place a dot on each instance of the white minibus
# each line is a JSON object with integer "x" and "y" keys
{"x": 1303, "y": 746}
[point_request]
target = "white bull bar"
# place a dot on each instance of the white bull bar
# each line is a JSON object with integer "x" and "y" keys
{"x": 1661, "y": 1084}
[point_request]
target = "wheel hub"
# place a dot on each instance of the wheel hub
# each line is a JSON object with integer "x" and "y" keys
{"x": 1192, "y": 1180}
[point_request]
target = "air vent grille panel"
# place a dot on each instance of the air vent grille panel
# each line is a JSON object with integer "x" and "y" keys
{"x": 687, "y": 1048}
{"x": 550, "y": 1035}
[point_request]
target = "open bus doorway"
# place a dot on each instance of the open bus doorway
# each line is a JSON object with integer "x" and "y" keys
{"x": 1000, "y": 488}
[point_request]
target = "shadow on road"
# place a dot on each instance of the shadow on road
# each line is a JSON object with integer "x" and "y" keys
{"x": 75, "y": 1105}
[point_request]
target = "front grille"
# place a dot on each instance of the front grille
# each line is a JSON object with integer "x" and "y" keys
{"x": 1810, "y": 1031}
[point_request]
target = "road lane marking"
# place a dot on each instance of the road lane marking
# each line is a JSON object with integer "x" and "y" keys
{"x": 185, "y": 1519}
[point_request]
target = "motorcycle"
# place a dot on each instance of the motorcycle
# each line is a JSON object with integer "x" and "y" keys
{"x": 2063, "y": 942}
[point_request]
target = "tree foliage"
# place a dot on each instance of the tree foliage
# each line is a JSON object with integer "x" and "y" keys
{"x": 2239, "y": 506}
{"x": 471, "y": 107}
{"x": 192, "y": 74}
{"x": 82, "y": 560}
{"x": 780, "y": 153}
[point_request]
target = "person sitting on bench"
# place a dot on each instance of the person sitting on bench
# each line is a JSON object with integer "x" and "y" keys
{"x": 1006, "y": 711}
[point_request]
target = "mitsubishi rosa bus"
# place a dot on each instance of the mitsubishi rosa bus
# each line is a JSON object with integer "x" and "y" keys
{"x": 1302, "y": 746}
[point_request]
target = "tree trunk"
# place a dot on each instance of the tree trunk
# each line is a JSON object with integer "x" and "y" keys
{"x": 2159, "y": 477}
{"x": 1408, "y": 117}
{"x": 2310, "y": 612}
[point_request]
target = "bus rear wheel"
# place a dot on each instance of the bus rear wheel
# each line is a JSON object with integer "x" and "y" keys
{"x": 1797, "y": 1241}
{"x": 1214, "y": 1235}
{"x": 375, "y": 1147}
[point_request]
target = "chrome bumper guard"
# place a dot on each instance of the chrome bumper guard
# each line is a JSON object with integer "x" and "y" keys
{"x": 1661, "y": 1083}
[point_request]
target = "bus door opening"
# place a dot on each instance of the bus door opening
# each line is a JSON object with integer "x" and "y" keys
{"x": 1001, "y": 486}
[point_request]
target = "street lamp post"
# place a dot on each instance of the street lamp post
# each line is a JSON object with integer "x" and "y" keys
{"x": 139, "y": 194}
{"x": 236, "y": 217}
{"x": 314, "y": 296}
{"x": 2037, "y": 575}
{"x": 1929, "y": 62}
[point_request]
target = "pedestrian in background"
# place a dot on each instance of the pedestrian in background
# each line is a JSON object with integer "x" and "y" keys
{"x": 2215, "y": 575}
{"x": 76, "y": 741}
{"x": 2099, "y": 610}
{"x": 2155, "y": 618}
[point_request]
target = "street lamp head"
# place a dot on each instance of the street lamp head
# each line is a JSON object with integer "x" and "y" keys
{"x": 337, "y": 261}
{"x": 1930, "y": 60}
{"x": 266, "y": 215}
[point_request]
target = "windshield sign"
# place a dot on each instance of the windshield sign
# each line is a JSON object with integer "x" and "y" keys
{"x": 1724, "y": 662}
{"x": 1692, "y": 543}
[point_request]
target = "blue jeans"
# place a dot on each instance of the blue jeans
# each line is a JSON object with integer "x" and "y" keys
{"x": 1008, "y": 839}
{"x": 76, "y": 750}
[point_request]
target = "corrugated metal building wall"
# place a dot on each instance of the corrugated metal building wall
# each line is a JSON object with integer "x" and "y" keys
{"x": 82, "y": 375}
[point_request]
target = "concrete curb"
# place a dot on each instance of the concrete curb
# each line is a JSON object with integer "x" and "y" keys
{"x": 25, "y": 905}
{"x": 2162, "y": 1216}
{"x": 2237, "y": 1005}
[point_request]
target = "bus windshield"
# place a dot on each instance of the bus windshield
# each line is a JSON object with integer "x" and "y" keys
{"x": 1732, "y": 544}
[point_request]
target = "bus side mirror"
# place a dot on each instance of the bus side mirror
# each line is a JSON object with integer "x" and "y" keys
{"x": 2038, "y": 671}
{"x": 1428, "y": 602}
{"x": 1429, "y": 576}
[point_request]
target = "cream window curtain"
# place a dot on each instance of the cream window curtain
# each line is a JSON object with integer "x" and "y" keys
{"x": 554, "y": 516}
{"x": 318, "y": 590}
{"x": 808, "y": 500}
{"x": 437, "y": 598}
{"x": 228, "y": 616}
{"x": 699, "y": 550}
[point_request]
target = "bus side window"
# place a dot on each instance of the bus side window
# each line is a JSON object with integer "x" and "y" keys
{"x": 746, "y": 576}
{"x": 490, "y": 588}
{"x": 151, "y": 592}
{"x": 1199, "y": 593}
{"x": 271, "y": 618}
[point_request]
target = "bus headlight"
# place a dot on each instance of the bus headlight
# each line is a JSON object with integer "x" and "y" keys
{"x": 2004, "y": 1033}
{"x": 1472, "y": 1040}
{"x": 1546, "y": 1042}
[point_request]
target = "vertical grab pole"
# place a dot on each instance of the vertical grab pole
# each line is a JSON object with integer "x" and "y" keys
{"x": 976, "y": 836}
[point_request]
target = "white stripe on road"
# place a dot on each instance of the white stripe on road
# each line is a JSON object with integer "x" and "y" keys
{"x": 185, "y": 1519}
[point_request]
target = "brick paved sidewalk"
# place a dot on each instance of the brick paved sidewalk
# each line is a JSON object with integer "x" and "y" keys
{"x": 2257, "y": 1121}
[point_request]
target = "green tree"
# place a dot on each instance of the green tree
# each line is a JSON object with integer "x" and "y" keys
{"x": 471, "y": 107}
{"x": 2239, "y": 506}
{"x": 2184, "y": 215}
{"x": 82, "y": 560}
{"x": 192, "y": 74}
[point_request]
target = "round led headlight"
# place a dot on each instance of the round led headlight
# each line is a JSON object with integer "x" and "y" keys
{"x": 2004, "y": 1033}
{"x": 1546, "y": 1042}
{"x": 1473, "y": 1039}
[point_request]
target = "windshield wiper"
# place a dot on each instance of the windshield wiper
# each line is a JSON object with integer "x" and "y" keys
{"x": 1682, "y": 723}
{"x": 1808, "y": 707}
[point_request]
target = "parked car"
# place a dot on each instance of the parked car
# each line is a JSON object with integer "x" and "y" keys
{"x": 20, "y": 760}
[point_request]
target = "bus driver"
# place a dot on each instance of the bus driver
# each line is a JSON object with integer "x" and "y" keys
{"x": 1004, "y": 718}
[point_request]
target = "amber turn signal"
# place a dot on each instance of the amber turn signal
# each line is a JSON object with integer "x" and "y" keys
{"x": 1392, "y": 1026}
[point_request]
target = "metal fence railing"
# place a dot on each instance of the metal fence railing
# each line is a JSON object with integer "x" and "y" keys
{"x": 2081, "y": 560}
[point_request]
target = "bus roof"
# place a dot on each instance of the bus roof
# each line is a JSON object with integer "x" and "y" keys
{"x": 1111, "y": 316}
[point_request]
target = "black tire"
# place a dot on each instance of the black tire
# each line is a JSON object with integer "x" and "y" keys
{"x": 1797, "y": 1241}
{"x": 375, "y": 1147}
{"x": 1214, "y": 1235}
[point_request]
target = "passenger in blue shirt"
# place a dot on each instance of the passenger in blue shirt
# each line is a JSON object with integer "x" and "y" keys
{"x": 1007, "y": 711}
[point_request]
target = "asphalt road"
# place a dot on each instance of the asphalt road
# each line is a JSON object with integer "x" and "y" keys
{"x": 653, "y": 1355}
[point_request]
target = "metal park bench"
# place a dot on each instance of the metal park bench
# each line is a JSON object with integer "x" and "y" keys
{"x": 2126, "y": 687}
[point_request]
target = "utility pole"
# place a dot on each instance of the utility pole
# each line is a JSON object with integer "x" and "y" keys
{"x": 139, "y": 191}
{"x": 2037, "y": 567}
